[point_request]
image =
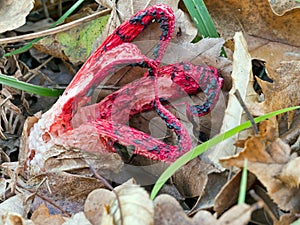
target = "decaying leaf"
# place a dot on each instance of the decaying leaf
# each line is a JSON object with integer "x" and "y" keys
{"x": 14, "y": 219}
{"x": 290, "y": 174}
{"x": 169, "y": 212}
{"x": 95, "y": 204}
{"x": 77, "y": 219}
{"x": 270, "y": 160}
{"x": 282, "y": 67}
{"x": 68, "y": 191}
{"x": 13, "y": 13}
{"x": 241, "y": 81}
{"x": 280, "y": 7}
{"x": 76, "y": 44}
{"x": 255, "y": 17}
{"x": 229, "y": 193}
{"x": 13, "y": 205}
{"x": 195, "y": 174}
{"x": 42, "y": 216}
{"x": 133, "y": 203}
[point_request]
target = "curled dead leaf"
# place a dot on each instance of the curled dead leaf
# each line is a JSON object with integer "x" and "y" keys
{"x": 169, "y": 212}
{"x": 280, "y": 7}
{"x": 290, "y": 174}
{"x": 132, "y": 206}
{"x": 268, "y": 159}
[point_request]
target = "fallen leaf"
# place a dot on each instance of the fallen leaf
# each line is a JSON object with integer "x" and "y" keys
{"x": 195, "y": 174}
{"x": 14, "y": 204}
{"x": 290, "y": 175}
{"x": 169, "y": 212}
{"x": 214, "y": 185}
{"x": 14, "y": 219}
{"x": 234, "y": 115}
{"x": 67, "y": 191}
{"x": 286, "y": 219}
{"x": 281, "y": 65}
{"x": 280, "y": 7}
{"x": 13, "y": 13}
{"x": 95, "y": 204}
{"x": 255, "y": 18}
{"x": 42, "y": 216}
{"x": 229, "y": 193}
{"x": 76, "y": 44}
{"x": 267, "y": 156}
{"x": 77, "y": 219}
{"x": 135, "y": 206}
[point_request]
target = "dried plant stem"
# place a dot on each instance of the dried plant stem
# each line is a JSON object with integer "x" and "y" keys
{"x": 55, "y": 30}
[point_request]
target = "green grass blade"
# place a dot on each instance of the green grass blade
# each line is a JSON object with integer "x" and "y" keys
{"x": 201, "y": 18}
{"x": 206, "y": 145}
{"x": 243, "y": 185}
{"x": 59, "y": 21}
{"x": 35, "y": 89}
{"x": 297, "y": 222}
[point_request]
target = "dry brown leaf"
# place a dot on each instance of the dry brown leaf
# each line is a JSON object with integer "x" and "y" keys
{"x": 68, "y": 191}
{"x": 13, "y": 13}
{"x": 267, "y": 156}
{"x": 238, "y": 214}
{"x": 169, "y": 212}
{"x": 215, "y": 183}
{"x": 77, "y": 219}
{"x": 285, "y": 219}
{"x": 229, "y": 193}
{"x": 282, "y": 66}
{"x": 281, "y": 7}
{"x": 191, "y": 179}
{"x": 256, "y": 18}
{"x": 241, "y": 81}
{"x": 95, "y": 204}
{"x": 136, "y": 207}
{"x": 14, "y": 219}
{"x": 290, "y": 174}
{"x": 42, "y": 216}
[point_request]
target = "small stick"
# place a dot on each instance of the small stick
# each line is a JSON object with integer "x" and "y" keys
{"x": 250, "y": 117}
{"x": 104, "y": 181}
{"x": 55, "y": 30}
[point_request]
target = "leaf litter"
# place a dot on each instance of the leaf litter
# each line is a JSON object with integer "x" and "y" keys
{"x": 271, "y": 160}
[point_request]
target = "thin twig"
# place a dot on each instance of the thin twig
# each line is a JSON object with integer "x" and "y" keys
{"x": 104, "y": 181}
{"x": 250, "y": 117}
{"x": 55, "y": 30}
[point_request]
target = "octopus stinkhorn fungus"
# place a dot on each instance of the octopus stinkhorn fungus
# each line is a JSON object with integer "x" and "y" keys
{"x": 72, "y": 123}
